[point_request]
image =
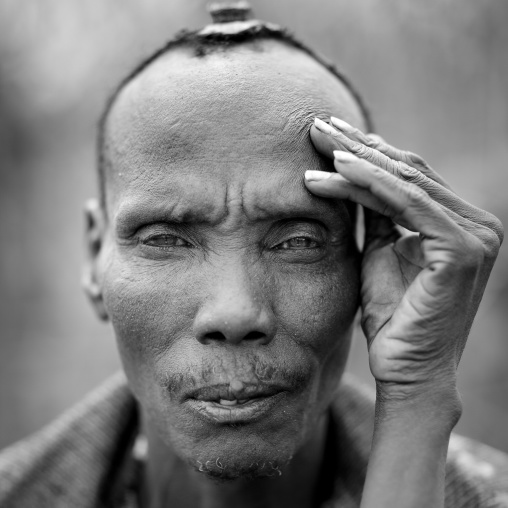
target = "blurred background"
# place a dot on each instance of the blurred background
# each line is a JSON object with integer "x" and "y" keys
{"x": 434, "y": 73}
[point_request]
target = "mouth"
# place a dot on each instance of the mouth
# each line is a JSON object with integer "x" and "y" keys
{"x": 221, "y": 404}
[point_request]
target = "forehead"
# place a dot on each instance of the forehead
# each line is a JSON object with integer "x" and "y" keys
{"x": 234, "y": 118}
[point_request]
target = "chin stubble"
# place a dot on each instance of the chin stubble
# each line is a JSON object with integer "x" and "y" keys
{"x": 218, "y": 470}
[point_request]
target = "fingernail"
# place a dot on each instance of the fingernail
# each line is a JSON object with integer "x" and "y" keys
{"x": 342, "y": 156}
{"x": 316, "y": 176}
{"x": 323, "y": 127}
{"x": 342, "y": 125}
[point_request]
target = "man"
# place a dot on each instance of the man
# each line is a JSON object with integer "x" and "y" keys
{"x": 223, "y": 251}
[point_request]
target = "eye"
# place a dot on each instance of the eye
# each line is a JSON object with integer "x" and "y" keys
{"x": 165, "y": 241}
{"x": 298, "y": 242}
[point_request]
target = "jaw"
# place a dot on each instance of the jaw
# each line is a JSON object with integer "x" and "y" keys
{"x": 271, "y": 448}
{"x": 244, "y": 452}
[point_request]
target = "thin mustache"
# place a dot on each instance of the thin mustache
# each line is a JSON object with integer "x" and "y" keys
{"x": 256, "y": 376}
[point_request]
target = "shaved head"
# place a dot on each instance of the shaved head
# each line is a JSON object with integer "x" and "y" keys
{"x": 193, "y": 77}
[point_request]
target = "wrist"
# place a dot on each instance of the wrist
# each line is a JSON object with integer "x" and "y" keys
{"x": 433, "y": 405}
{"x": 410, "y": 444}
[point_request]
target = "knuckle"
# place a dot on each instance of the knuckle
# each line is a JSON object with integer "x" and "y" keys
{"x": 397, "y": 169}
{"x": 370, "y": 155}
{"x": 406, "y": 156}
{"x": 470, "y": 252}
{"x": 491, "y": 243}
{"x": 490, "y": 232}
{"x": 496, "y": 226}
{"x": 362, "y": 151}
{"x": 379, "y": 173}
{"x": 408, "y": 173}
{"x": 416, "y": 159}
{"x": 374, "y": 142}
{"x": 386, "y": 210}
{"x": 416, "y": 195}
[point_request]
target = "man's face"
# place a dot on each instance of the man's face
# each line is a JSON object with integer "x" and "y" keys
{"x": 231, "y": 289}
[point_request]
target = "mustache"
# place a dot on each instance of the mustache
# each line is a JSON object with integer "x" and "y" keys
{"x": 254, "y": 370}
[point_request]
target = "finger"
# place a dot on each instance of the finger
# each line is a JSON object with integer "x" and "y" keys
{"x": 444, "y": 196}
{"x": 336, "y": 186}
{"x": 326, "y": 137}
{"x": 409, "y": 206}
{"x": 351, "y": 132}
{"x": 405, "y": 203}
{"x": 382, "y": 298}
{"x": 379, "y": 229}
{"x": 407, "y": 157}
{"x": 436, "y": 191}
{"x": 378, "y": 143}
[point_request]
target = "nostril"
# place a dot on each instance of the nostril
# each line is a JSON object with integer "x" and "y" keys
{"x": 254, "y": 336}
{"x": 215, "y": 336}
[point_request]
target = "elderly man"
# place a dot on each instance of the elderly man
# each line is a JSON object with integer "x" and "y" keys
{"x": 224, "y": 250}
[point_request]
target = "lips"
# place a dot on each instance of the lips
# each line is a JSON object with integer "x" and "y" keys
{"x": 236, "y": 391}
{"x": 234, "y": 402}
{"x": 224, "y": 404}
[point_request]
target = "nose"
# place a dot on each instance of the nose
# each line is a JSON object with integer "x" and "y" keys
{"x": 234, "y": 312}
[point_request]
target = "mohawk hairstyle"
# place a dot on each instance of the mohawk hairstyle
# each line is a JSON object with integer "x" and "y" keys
{"x": 204, "y": 44}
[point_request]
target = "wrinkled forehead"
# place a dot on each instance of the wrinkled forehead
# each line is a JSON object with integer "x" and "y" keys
{"x": 255, "y": 101}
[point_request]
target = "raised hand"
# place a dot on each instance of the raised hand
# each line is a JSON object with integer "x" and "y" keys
{"x": 420, "y": 288}
{"x": 426, "y": 260}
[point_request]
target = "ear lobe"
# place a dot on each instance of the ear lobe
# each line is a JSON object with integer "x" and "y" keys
{"x": 95, "y": 227}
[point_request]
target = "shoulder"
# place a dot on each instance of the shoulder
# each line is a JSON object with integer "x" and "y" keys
{"x": 476, "y": 472}
{"x": 64, "y": 463}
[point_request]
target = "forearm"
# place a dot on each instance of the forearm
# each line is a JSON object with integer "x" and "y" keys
{"x": 408, "y": 457}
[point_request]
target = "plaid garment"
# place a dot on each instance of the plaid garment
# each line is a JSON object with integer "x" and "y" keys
{"x": 85, "y": 458}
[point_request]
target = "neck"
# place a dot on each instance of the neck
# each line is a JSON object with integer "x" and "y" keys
{"x": 169, "y": 481}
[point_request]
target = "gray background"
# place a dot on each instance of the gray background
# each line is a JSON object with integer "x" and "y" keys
{"x": 435, "y": 74}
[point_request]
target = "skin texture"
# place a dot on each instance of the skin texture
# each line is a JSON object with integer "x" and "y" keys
{"x": 216, "y": 265}
{"x": 421, "y": 286}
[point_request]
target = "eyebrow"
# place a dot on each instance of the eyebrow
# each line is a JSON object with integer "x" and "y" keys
{"x": 136, "y": 213}
{"x": 139, "y": 212}
{"x": 318, "y": 209}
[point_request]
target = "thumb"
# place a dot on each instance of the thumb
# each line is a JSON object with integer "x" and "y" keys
{"x": 379, "y": 230}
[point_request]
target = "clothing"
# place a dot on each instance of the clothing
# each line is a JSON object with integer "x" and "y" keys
{"x": 85, "y": 458}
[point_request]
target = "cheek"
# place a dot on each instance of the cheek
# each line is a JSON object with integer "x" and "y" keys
{"x": 318, "y": 307}
{"x": 150, "y": 308}
{"x": 318, "y": 311}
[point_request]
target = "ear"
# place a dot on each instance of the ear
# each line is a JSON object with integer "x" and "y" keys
{"x": 95, "y": 224}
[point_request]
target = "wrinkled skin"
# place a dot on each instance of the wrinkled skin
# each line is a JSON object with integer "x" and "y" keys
{"x": 421, "y": 285}
{"x": 216, "y": 265}
{"x": 213, "y": 261}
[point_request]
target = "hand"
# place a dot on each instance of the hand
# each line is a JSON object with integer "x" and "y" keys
{"x": 421, "y": 286}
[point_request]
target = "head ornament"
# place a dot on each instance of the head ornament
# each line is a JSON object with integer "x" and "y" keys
{"x": 234, "y": 18}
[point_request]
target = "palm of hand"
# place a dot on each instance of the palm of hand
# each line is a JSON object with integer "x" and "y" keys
{"x": 398, "y": 312}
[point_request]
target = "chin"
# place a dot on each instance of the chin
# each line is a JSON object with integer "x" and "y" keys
{"x": 223, "y": 471}
{"x": 242, "y": 456}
